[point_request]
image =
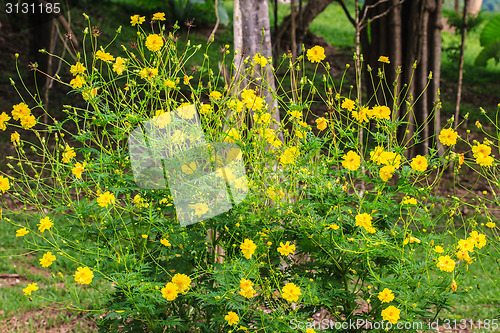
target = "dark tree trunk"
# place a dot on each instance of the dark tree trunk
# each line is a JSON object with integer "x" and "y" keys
{"x": 409, "y": 34}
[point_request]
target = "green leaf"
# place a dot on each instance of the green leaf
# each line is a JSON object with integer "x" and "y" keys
{"x": 490, "y": 51}
{"x": 491, "y": 31}
{"x": 223, "y": 15}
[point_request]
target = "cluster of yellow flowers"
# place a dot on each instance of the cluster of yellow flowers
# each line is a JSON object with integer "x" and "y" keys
{"x": 19, "y": 112}
{"x": 481, "y": 153}
{"x": 364, "y": 114}
{"x": 246, "y": 288}
{"x": 365, "y": 220}
{"x": 391, "y": 313}
{"x": 180, "y": 285}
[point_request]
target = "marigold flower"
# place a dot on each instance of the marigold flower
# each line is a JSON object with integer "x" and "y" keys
{"x": 232, "y": 318}
{"x": 391, "y": 314}
{"x": 386, "y": 172}
{"x": 154, "y": 42}
{"x": 31, "y": 287}
{"x": 375, "y": 155}
{"x": 291, "y": 292}
{"x": 419, "y": 163}
{"x": 68, "y": 154}
{"x": 77, "y": 82}
{"x": 28, "y": 121}
{"x": 364, "y": 220}
{"x": 258, "y": 59}
{"x": 485, "y": 161}
{"x": 104, "y": 56}
{"x": 464, "y": 255}
{"x": 289, "y": 155}
{"x": 170, "y": 291}
{"x": 478, "y": 239}
{"x": 454, "y": 286}
{"x": 20, "y": 111}
{"x": 182, "y": 281}
{"x": 321, "y": 123}
{"x": 47, "y": 259}
{"x": 247, "y": 290}
{"x": 348, "y": 104}
{"x": 77, "y": 69}
{"x": 4, "y": 184}
{"x": 22, "y": 232}
{"x": 286, "y": 249}
{"x": 159, "y": 16}
{"x": 439, "y": 249}
{"x": 120, "y": 65}
{"x": 136, "y": 19}
{"x": 445, "y": 263}
{"x": 187, "y": 79}
{"x": 411, "y": 240}
{"x": 105, "y": 199}
{"x": 315, "y": 54}
{"x": 361, "y": 115}
{"x": 384, "y": 59}
{"x": 333, "y": 226}
{"x": 78, "y": 169}
{"x": 170, "y": 83}
{"x": 491, "y": 224}
{"x": 3, "y": 118}
{"x": 380, "y": 112}
{"x": 199, "y": 208}
{"x": 248, "y": 248}
{"x": 386, "y": 295}
{"x": 83, "y": 275}
{"x": 148, "y": 73}
{"x": 165, "y": 242}
{"x": 448, "y": 137}
{"x": 216, "y": 95}
{"x": 45, "y": 224}
{"x": 351, "y": 161}
{"x": 409, "y": 201}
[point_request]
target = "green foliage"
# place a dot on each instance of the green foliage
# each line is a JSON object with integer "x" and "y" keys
{"x": 490, "y": 41}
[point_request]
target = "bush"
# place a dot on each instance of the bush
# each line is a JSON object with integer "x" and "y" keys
{"x": 334, "y": 217}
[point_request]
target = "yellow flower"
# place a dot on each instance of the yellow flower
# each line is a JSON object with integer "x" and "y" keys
{"x": 390, "y": 158}
{"x": 170, "y": 83}
{"x": 485, "y": 161}
{"x": 466, "y": 245}
{"x": 247, "y": 290}
{"x": 159, "y": 16}
{"x": 419, "y": 163}
{"x": 77, "y": 69}
{"x": 170, "y": 291}
{"x": 464, "y": 255}
{"x": 31, "y": 287}
{"x": 316, "y": 54}
{"x": 289, "y": 155}
{"x": 206, "y": 109}
{"x": 348, "y": 104}
{"x": 391, "y": 314}
{"x": 120, "y": 65}
{"x": 47, "y": 259}
{"x": 20, "y": 111}
{"x": 83, "y": 275}
{"x": 291, "y": 292}
{"x": 189, "y": 169}
{"x": 154, "y": 42}
{"x": 182, "y": 281}
{"x": 199, "y": 208}
{"x": 3, "y": 118}
{"x": 89, "y": 93}
{"x": 380, "y": 112}
{"x": 333, "y": 226}
{"x": 409, "y": 201}
{"x": 362, "y": 115}
{"x": 385, "y": 296}
{"x": 321, "y": 123}
{"x": 144, "y": 236}
{"x": 68, "y": 154}
{"x": 461, "y": 159}
{"x": 286, "y": 249}
{"x": 4, "y": 184}
{"x": 364, "y": 220}
{"x": 136, "y": 19}
{"x": 411, "y": 240}
{"x": 14, "y": 138}
{"x": 491, "y": 224}
{"x": 162, "y": 119}
{"x": 186, "y": 111}
{"x": 104, "y": 56}
{"x": 445, "y": 263}
{"x": 148, "y": 73}
{"x": 28, "y": 122}
{"x": 386, "y": 172}
{"x": 77, "y": 82}
{"x": 215, "y": 95}
{"x": 384, "y": 59}
{"x": 105, "y": 199}
{"x": 478, "y": 239}
{"x": 260, "y": 60}
{"x": 439, "y": 249}
{"x": 310, "y": 330}
{"x": 448, "y": 137}
{"x": 165, "y": 242}
{"x": 351, "y": 161}
{"x": 454, "y": 286}
{"x": 232, "y": 318}
{"x": 78, "y": 169}
{"x": 296, "y": 114}
{"x": 263, "y": 118}
{"x": 187, "y": 79}
{"x": 21, "y": 232}
{"x": 45, "y": 224}
{"x": 481, "y": 149}
{"x": 248, "y": 248}
{"x": 376, "y": 154}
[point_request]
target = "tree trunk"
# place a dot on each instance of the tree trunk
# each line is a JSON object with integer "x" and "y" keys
{"x": 411, "y": 36}
{"x": 310, "y": 11}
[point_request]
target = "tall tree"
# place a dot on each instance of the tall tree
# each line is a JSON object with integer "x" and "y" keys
{"x": 410, "y": 34}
